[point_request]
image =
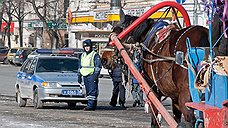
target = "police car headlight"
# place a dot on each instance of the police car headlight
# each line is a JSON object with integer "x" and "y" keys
{"x": 50, "y": 84}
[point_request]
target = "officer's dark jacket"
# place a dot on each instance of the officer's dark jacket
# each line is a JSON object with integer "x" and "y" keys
{"x": 116, "y": 73}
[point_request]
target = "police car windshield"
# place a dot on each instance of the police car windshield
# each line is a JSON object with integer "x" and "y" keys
{"x": 57, "y": 65}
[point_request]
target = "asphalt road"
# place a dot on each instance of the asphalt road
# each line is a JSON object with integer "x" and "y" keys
{"x": 58, "y": 115}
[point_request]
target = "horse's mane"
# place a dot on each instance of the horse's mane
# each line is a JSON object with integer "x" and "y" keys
{"x": 140, "y": 30}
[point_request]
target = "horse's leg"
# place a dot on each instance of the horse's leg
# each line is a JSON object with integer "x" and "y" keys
{"x": 154, "y": 119}
{"x": 188, "y": 113}
{"x": 176, "y": 112}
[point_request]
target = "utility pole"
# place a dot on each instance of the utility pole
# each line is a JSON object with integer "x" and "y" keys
{"x": 195, "y": 17}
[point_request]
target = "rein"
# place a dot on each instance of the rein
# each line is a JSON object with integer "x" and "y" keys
{"x": 160, "y": 57}
{"x": 166, "y": 58}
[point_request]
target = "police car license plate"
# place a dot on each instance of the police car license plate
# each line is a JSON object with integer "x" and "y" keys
{"x": 72, "y": 92}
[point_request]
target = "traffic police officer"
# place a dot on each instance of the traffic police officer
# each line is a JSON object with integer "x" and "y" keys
{"x": 90, "y": 69}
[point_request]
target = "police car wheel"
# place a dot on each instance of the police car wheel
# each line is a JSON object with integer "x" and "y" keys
{"x": 84, "y": 102}
{"x": 71, "y": 105}
{"x": 36, "y": 100}
{"x": 20, "y": 101}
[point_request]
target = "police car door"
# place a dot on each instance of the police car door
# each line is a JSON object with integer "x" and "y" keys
{"x": 31, "y": 78}
{"x": 26, "y": 77}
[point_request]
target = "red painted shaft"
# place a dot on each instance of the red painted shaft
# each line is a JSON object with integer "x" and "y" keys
{"x": 144, "y": 85}
{"x": 153, "y": 10}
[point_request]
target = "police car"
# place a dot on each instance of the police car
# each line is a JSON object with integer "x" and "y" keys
{"x": 45, "y": 78}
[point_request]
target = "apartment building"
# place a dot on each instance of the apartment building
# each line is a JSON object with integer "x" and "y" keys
{"x": 94, "y": 19}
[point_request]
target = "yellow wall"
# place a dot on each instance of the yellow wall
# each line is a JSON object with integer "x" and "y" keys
{"x": 115, "y": 17}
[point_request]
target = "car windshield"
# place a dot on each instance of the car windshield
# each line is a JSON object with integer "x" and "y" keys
{"x": 19, "y": 52}
{"x": 3, "y": 50}
{"x": 57, "y": 65}
{"x": 13, "y": 50}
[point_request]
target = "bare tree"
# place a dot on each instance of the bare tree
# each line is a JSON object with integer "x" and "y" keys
{"x": 20, "y": 14}
{"x": 7, "y": 5}
{"x": 50, "y": 12}
{"x": 1, "y": 15}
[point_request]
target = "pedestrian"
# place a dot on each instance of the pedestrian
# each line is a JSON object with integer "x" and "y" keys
{"x": 90, "y": 69}
{"x": 118, "y": 87}
{"x": 136, "y": 91}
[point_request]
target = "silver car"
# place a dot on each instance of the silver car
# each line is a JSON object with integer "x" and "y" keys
{"x": 50, "y": 79}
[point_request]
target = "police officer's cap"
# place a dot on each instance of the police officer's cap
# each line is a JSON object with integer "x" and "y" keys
{"x": 87, "y": 42}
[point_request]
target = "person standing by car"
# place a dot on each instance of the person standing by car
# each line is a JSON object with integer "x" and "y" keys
{"x": 136, "y": 91}
{"x": 118, "y": 87}
{"x": 90, "y": 69}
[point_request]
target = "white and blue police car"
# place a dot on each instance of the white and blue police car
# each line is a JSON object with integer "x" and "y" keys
{"x": 45, "y": 78}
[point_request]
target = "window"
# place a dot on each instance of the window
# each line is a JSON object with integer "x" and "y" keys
{"x": 33, "y": 65}
{"x": 13, "y": 50}
{"x": 57, "y": 65}
{"x": 25, "y": 67}
{"x": 19, "y": 52}
{"x": 3, "y": 50}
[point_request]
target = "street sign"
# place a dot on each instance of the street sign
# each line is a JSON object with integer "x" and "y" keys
{"x": 180, "y": 1}
{"x": 51, "y": 25}
{"x": 37, "y": 24}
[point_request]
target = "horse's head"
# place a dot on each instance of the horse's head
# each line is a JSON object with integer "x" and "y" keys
{"x": 138, "y": 34}
{"x": 107, "y": 59}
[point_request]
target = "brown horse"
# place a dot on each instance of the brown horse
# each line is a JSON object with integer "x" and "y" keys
{"x": 171, "y": 79}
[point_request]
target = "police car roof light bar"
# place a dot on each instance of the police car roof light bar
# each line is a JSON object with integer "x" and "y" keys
{"x": 54, "y": 51}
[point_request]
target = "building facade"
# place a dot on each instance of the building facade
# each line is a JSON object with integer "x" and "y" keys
{"x": 84, "y": 19}
{"x": 94, "y": 19}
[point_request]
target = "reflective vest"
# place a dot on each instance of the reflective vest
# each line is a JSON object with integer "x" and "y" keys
{"x": 87, "y": 63}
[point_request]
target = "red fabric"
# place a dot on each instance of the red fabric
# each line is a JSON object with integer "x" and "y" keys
{"x": 11, "y": 26}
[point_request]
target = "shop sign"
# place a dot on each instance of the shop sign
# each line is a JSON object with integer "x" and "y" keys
{"x": 136, "y": 12}
{"x": 95, "y": 35}
{"x": 100, "y": 15}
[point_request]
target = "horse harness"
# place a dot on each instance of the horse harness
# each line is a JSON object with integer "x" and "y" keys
{"x": 163, "y": 35}
{"x": 161, "y": 58}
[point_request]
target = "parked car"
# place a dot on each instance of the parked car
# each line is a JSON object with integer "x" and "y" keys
{"x": 3, "y": 55}
{"x": 3, "y": 47}
{"x": 50, "y": 79}
{"x": 21, "y": 55}
{"x": 12, "y": 52}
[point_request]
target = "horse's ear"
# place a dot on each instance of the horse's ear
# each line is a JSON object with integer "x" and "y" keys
{"x": 122, "y": 16}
